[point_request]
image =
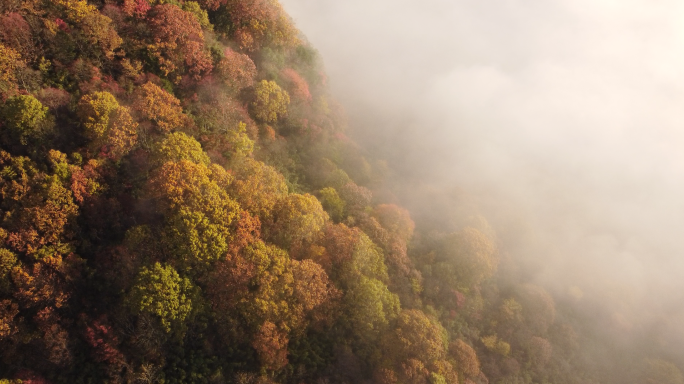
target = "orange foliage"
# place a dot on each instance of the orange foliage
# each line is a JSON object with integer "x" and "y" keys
{"x": 84, "y": 182}
{"x": 178, "y": 41}
{"x": 8, "y": 311}
{"x": 271, "y": 346}
{"x": 258, "y": 23}
{"x": 96, "y": 27}
{"x": 312, "y": 286}
{"x": 414, "y": 372}
{"x": 55, "y": 338}
{"x": 162, "y": 108}
{"x": 466, "y": 359}
{"x": 42, "y": 208}
{"x": 236, "y": 70}
{"x": 40, "y": 285}
{"x": 356, "y": 197}
{"x": 247, "y": 230}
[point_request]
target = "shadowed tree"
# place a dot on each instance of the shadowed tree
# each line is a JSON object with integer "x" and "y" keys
{"x": 25, "y": 118}
{"x": 467, "y": 363}
{"x": 468, "y": 257}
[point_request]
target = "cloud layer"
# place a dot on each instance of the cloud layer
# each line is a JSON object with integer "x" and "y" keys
{"x": 570, "y": 111}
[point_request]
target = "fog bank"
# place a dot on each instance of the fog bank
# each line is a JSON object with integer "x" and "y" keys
{"x": 569, "y": 114}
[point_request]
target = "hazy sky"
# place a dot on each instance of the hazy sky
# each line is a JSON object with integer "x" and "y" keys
{"x": 570, "y": 110}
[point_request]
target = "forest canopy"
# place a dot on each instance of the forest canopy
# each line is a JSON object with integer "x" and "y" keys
{"x": 180, "y": 204}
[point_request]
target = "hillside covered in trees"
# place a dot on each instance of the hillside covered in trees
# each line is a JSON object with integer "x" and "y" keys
{"x": 180, "y": 204}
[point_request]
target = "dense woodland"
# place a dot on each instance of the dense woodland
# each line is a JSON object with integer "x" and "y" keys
{"x": 180, "y": 204}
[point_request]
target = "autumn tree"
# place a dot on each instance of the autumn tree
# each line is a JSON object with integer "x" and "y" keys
{"x": 369, "y": 307}
{"x": 396, "y": 220}
{"x": 538, "y": 307}
{"x": 258, "y": 187}
{"x": 356, "y": 198}
{"x": 200, "y": 14}
{"x": 95, "y": 111}
{"x": 41, "y": 209}
{"x": 160, "y": 107}
{"x": 96, "y": 28}
{"x": 258, "y": 23}
{"x": 496, "y": 345}
{"x": 296, "y": 85}
{"x": 10, "y": 62}
{"x": 262, "y": 285}
{"x": 236, "y": 70}
{"x": 296, "y": 219}
{"x": 270, "y": 102}
{"x": 178, "y": 41}
{"x": 8, "y": 311}
{"x": 200, "y": 214}
{"x": 15, "y": 32}
{"x": 467, "y": 362}
{"x": 350, "y": 253}
{"x": 418, "y": 337}
{"x": 108, "y": 124}
{"x": 271, "y": 346}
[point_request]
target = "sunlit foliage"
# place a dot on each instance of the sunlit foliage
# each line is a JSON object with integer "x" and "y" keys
{"x": 160, "y": 107}
{"x": 270, "y": 102}
{"x": 178, "y": 41}
{"x": 160, "y": 292}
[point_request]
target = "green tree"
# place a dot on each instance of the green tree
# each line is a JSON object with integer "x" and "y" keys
{"x": 332, "y": 203}
{"x": 25, "y": 118}
{"x": 470, "y": 258}
{"x": 200, "y": 14}
{"x": 162, "y": 293}
{"x": 369, "y": 308}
